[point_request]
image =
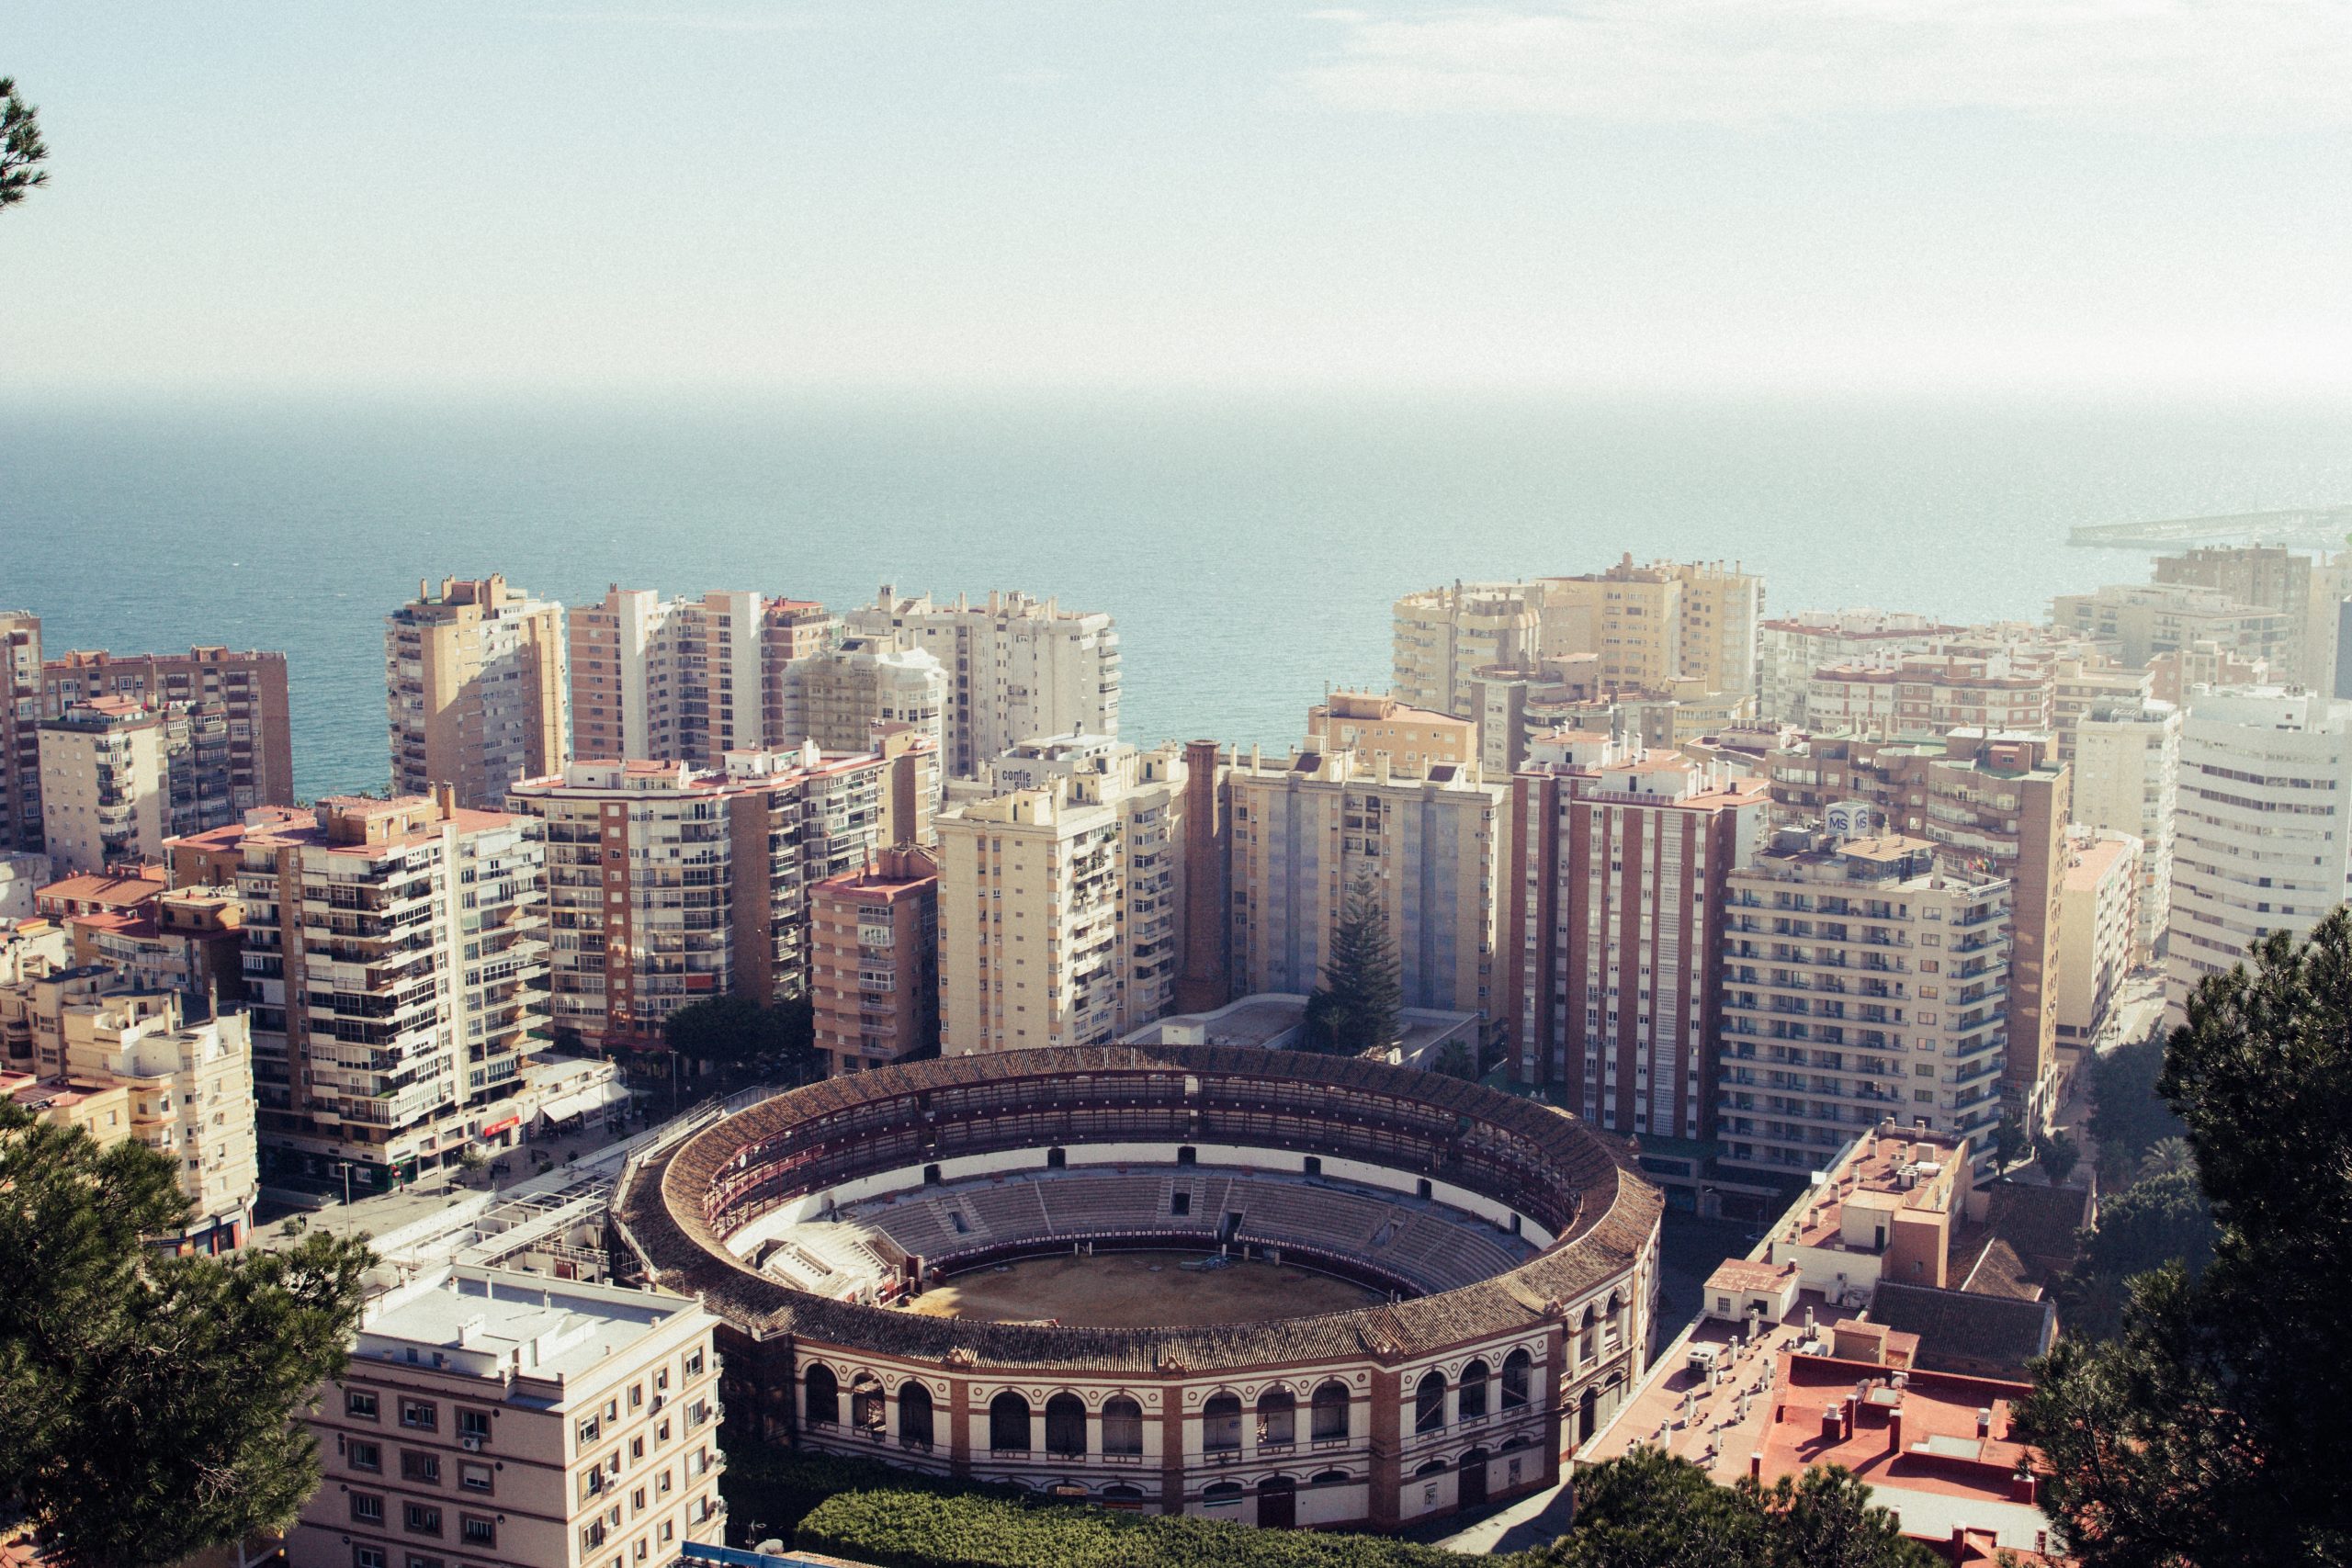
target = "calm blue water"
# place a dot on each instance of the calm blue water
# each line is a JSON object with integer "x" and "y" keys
{"x": 1249, "y": 550}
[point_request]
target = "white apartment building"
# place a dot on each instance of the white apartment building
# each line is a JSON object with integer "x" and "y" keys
{"x": 105, "y": 784}
{"x": 1061, "y": 907}
{"x": 1860, "y": 984}
{"x": 474, "y": 689}
{"x": 191, "y": 1098}
{"x": 2127, "y": 780}
{"x": 671, "y": 679}
{"x": 2098, "y": 930}
{"x": 498, "y": 1419}
{"x": 2260, "y": 837}
{"x": 1018, "y": 666}
{"x": 1789, "y": 648}
{"x": 395, "y": 958}
{"x": 836, "y": 698}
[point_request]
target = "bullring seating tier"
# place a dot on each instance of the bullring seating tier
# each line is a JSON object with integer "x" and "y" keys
{"x": 1422, "y": 1246}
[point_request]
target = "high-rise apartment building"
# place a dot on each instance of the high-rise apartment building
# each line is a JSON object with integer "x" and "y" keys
{"x": 475, "y": 688}
{"x": 2260, "y": 842}
{"x": 247, "y": 689}
{"x": 2098, "y": 931}
{"x": 1442, "y": 636}
{"x": 2127, "y": 780}
{"x": 20, "y": 716}
{"x": 1995, "y": 805}
{"x": 1789, "y": 648}
{"x": 106, "y": 789}
{"x": 874, "y": 968}
{"x": 2270, "y": 576}
{"x": 1062, "y": 909}
{"x": 502, "y": 1419}
{"x": 1611, "y": 942}
{"x": 1304, "y": 832}
{"x": 837, "y": 696}
{"x": 2082, "y": 685}
{"x": 672, "y": 680}
{"x": 1515, "y": 705}
{"x": 1019, "y": 667}
{"x": 1861, "y": 983}
{"x": 668, "y": 883}
{"x": 396, "y": 962}
{"x": 2146, "y": 619}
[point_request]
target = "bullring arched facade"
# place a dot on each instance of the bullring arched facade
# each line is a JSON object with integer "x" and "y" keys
{"x": 1375, "y": 1417}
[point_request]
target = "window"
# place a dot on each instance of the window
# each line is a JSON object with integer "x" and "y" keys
{"x": 416, "y": 1562}
{"x": 1008, "y": 1424}
{"x": 420, "y": 1415}
{"x": 1472, "y": 1397}
{"x": 914, "y": 1416}
{"x": 475, "y": 1531}
{"x": 421, "y": 1519}
{"x": 867, "y": 1412}
{"x": 1221, "y": 1422}
{"x": 366, "y": 1508}
{"x": 1223, "y": 1494}
{"x": 1065, "y": 1425}
{"x": 1121, "y": 1426}
{"x": 474, "y": 1477}
{"x": 359, "y": 1405}
{"x": 823, "y": 1400}
{"x": 694, "y": 1365}
{"x": 364, "y": 1456}
{"x": 474, "y": 1423}
{"x": 1329, "y": 1409}
{"x": 590, "y": 1430}
{"x": 367, "y": 1557}
{"x": 421, "y": 1468}
{"x": 1519, "y": 1369}
{"x": 1429, "y": 1403}
{"x": 1277, "y": 1416}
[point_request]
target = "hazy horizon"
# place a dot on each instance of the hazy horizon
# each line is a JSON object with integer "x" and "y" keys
{"x": 1592, "y": 197}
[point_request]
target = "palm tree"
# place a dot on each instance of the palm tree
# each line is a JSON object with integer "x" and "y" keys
{"x": 2168, "y": 1156}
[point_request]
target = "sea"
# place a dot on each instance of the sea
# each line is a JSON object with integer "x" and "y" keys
{"x": 1249, "y": 546}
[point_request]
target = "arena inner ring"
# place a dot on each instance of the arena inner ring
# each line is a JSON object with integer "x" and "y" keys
{"x": 1505, "y": 1255}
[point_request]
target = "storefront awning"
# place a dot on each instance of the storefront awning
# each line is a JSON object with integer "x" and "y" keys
{"x": 581, "y": 1102}
{"x": 501, "y": 1125}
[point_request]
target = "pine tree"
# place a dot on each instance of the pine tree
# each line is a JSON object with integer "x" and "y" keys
{"x": 22, "y": 152}
{"x": 1364, "y": 991}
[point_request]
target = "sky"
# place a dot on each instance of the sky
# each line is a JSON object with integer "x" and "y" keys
{"x": 1874, "y": 195}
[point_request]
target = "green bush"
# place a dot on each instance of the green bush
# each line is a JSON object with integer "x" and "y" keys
{"x": 769, "y": 1490}
{"x": 898, "y": 1528}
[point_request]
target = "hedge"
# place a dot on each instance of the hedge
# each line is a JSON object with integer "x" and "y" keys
{"x": 769, "y": 1489}
{"x": 901, "y": 1528}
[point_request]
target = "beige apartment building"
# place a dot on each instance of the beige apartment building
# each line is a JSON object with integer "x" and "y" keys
{"x": 1610, "y": 928}
{"x": 1412, "y": 738}
{"x": 1514, "y": 707}
{"x": 248, "y": 688}
{"x": 1861, "y": 983}
{"x": 668, "y": 883}
{"x": 874, "y": 963}
{"x": 836, "y": 697}
{"x": 395, "y": 958}
{"x": 1442, "y": 636}
{"x": 683, "y": 679}
{"x": 1304, "y": 831}
{"x": 105, "y": 786}
{"x": 2080, "y": 685}
{"x": 2272, "y": 576}
{"x": 1018, "y": 668}
{"x": 2098, "y": 931}
{"x": 498, "y": 1419}
{"x": 475, "y": 688}
{"x": 1062, "y": 908}
{"x": 2127, "y": 780}
{"x": 1995, "y": 805}
{"x": 1789, "y": 648}
{"x": 2142, "y": 620}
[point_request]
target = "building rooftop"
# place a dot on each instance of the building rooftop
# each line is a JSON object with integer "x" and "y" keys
{"x": 491, "y": 1322}
{"x": 2089, "y": 864}
{"x": 1962, "y": 1331}
{"x": 1743, "y": 1276}
{"x": 1888, "y": 1171}
{"x": 116, "y": 890}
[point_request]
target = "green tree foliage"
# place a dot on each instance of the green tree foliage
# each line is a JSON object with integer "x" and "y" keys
{"x": 146, "y": 1399}
{"x": 1651, "y": 1510}
{"x": 1362, "y": 995}
{"x": 2169, "y": 1156}
{"x": 2128, "y": 1116}
{"x": 737, "y": 1035}
{"x": 2162, "y": 1219}
{"x": 2210, "y": 1429}
{"x": 2056, "y": 1153}
{"x": 1456, "y": 1060}
{"x": 2009, "y": 1142}
{"x": 22, "y": 152}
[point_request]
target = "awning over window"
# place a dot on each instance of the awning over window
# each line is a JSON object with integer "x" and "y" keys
{"x": 583, "y": 1102}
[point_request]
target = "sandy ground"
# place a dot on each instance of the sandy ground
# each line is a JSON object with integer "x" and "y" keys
{"x": 1139, "y": 1290}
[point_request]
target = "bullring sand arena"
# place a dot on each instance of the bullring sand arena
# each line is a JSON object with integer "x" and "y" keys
{"x": 1139, "y": 1290}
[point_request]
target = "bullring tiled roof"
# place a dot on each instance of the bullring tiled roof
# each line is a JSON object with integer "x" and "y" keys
{"x": 1616, "y": 1215}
